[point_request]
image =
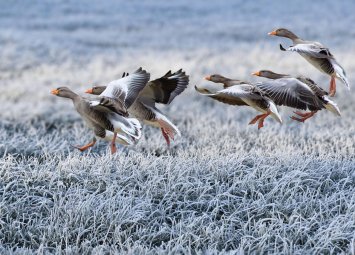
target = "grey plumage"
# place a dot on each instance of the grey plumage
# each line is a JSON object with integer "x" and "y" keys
{"x": 297, "y": 92}
{"x": 102, "y": 119}
{"x": 124, "y": 91}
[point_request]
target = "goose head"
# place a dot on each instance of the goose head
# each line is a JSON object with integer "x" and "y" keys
{"x": 283, "y": 32}
{"x": 96, "y": 90}
{"x": 269, "y": 74}
{"x": 216, "y": 78}
{"x": 63, "y": 92}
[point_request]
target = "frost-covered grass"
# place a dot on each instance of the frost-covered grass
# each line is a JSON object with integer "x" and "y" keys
{"x": 223, "y": 186}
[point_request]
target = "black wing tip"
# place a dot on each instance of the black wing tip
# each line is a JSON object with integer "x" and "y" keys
{"x": 167, "y": 74}
{"x": 282, "y": 48}
{"x": 180, "y": 74}
{"x": 142, "y": 71}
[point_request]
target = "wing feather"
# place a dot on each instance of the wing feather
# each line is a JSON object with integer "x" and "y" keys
{"x": 311, "y": 49}
{"x": 166, "y": 88}
{"x": 127, "y": 88}
{"x": 291, "y": 92}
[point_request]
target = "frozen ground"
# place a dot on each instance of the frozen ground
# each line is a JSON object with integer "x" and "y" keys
{"x": 223, "y": 186}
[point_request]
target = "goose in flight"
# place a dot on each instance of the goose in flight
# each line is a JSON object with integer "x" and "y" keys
{"x": 162, "y": 90}
{"x": 297, "y": 92}
{"x": 107, "y": 116}
{"x": 316, "y": 54}
{"x": 241, "y": 93}
{"x": 106, "y": 124}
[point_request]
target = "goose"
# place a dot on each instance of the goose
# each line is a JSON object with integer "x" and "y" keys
{"x": 106, "y": 124}
{"x": 162, "y": 90}
{"x": 240, "y": 93}
{"x": 108, "y": 117}
{"x": 316, "y": 54}
{"x": 296, "y": 92}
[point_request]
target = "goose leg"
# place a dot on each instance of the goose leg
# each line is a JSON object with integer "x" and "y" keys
{"x": 261, "y": 120}
{"x": 113, "y": 144}
{"x": 253, "y": 121}
{"x": 332, "y": 88}
{"x": 166, "y": 136}
{"x": 304, "y": 116}
{"x": 87, "y": 146}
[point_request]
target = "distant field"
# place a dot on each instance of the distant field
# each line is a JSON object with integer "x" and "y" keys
{"x": 224, "y": 186}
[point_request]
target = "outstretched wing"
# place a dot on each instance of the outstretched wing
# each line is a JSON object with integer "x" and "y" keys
{"x": 127, "y": 88}
{"x": 312, "y": 49}
{"x": 107, "y": 104}
{"x": 166, "y": 88}
{"x": 234, "y": 95}
{"x": 313, "y": 86}
{"x": 291, "y": 92}
{"x": 245, "y": 93}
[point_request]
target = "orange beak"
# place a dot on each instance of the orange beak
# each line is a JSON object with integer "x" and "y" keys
{"x": 256, "y": 73}
{"x": 55, "y": 92}
{"x": 89, "y": 91}
{"x": 208, "y": 78}
{"x": 272, "y": 33}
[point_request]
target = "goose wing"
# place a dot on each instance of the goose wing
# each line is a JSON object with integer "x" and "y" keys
{"x": 313, "y": 86}
{"x": 290, "y": 92}
{"x": 237, "y": 95}
{"x": 166, "y": 88}
{"x": 127, "y": 88}
{"x": 312, "y": 49}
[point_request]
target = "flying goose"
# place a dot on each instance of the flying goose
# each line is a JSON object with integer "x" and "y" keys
{"x": 106, "y": 124}
{"x": 243, "y": 93}
{"x": 316, "y": 54}
{"x": 296, "y": 92}
{"x": 162, "y": 90}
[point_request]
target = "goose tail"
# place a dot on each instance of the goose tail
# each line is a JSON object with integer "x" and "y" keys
{"x": 331, "y": 106}
{"x": 274, "y": 112}
{"x": 340, "y": 73}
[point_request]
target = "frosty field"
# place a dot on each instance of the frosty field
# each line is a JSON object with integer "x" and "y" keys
{"x": 224, "y": 186}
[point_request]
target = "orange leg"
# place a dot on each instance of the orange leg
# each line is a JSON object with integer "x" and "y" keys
{"x": 259, "y": 118}
{"x": 304, "y": 116}
{"x": 253, "y": 121}
{"x": 261, "y": 121}
{"x": 332, "y": 88}
{"x": 87, "y": 146}
{"x": 113, "y": 144}
{"x": 166, "y": 136}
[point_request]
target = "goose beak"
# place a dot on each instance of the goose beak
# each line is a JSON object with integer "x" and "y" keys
{"x": 208, "y": 78}
{"x": 272, "y": 33}
{"x": 256, "y": 73}
{"x": 89, "y": 91}
{"x": 55, "y": 92}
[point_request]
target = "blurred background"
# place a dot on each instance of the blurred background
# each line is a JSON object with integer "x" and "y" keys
{"x": 47, "y": 44}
